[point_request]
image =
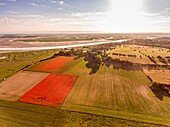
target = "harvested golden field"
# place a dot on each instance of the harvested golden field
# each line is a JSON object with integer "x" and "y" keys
{"x": 159, "y": 76}
{"x": 143, "y": 60}
{"x": 17, "y": 85}
{"x": 141, "y": 54}
{"x": 152, "y": 52}
{"x": 127, "y": 50}
{"x": 113, "y": 89}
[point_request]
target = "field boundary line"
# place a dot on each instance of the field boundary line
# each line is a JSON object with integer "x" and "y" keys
{"x": 100, "y": 113}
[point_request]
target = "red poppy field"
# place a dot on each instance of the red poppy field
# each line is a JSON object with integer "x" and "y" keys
{"x": 51, "y": 91}
{"x": 52, "y": 65}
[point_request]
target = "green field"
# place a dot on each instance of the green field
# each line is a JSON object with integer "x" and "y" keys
{"x": 141, "y": 53}
{"x": 125, "y": 49}
{"x": 18, "y": 61}
{"x": 16, "y": 114}
{"x": 152, "y": 51}
{"x": 114, "y": 90}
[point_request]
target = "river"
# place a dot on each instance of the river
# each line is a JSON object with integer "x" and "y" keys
{"x": 15, "y": 49}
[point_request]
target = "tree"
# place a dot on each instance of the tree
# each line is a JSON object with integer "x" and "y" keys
{"x": 98, "y": 59}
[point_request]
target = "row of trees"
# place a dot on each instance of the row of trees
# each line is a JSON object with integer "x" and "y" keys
{"x": 161, "y": 59}
{"x": 120, "y": 54}
{"x": 72, "y": 52}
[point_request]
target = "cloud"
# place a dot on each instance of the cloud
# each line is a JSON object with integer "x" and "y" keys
{"x": 165, "y": 12}
{"x": 12, "y": 12}
{"x": 12, "y": 0}
{"x": 157, "y": 12}
{"x": 2, "y": 4}
{"x": 17, "y": 19}
{"x": 37, "y": 5}
{"x": 33, "y": 4}
{"x": 155, "y": 6}
{"x": 61, "y": 2}
{"x": 56, "y": 1}
{"x": 10, "y": 20}
{"x": 160, "y": 14}
{"x": 32, "y": 16}
{"x": 84, "y": 14}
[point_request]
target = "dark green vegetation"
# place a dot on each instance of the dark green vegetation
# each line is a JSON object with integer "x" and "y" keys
{"x": 162, "y": 89}
{"x": 157, "y": 42}
{"x": 18, "y": 61}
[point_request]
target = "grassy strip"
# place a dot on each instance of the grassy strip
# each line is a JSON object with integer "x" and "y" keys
{"x": 151, "y": 120}
{"x": 68, "y": 66}
{"x": 21, "y": 114}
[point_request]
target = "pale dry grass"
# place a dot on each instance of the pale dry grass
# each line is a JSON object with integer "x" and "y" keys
{"x": 18, "y": 84}
{"x": 138, "y": 60}
{"x": 141, "y": 53}
{"x": 152, "y": 52}
{"x": 130, "y": 50}
{"x": 159, "y": 76}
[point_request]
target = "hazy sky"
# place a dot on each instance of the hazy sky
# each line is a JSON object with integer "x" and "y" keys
{"x": 84, "y": 15}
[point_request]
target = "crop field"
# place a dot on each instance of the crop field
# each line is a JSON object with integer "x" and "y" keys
{"x": 109, "y": 94}
{"x": 152, "y": 51}
{"x": 125, "y": 49}
{"x": 143, "y": 60}
{"x": 15, "y": 86}
{"x": 15, "y": 62}
{"x": 141, "y": 53}
{"x": 159, "y": 76}
{"x": 50, "y": 91}
{"x": 52, "y": 65}
{"x": 114, "y": 89}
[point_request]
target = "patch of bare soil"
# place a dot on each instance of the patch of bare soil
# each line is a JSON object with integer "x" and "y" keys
{"x": 18, "y": 84}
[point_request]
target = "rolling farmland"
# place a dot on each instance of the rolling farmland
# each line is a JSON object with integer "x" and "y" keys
{"x": 153, "y": 52}
{"x": 17, "y": 85}
{"x": 15, "y": 62}
{"x": 127, "y": 50}
{"x": 50, "y": 91}
{"x": 141, "y": 53}
{"x": 113, "y": 89}
{"x": 67, "y": 89}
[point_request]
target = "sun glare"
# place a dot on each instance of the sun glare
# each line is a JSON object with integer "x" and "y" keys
{"x": 124, "y": 16}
